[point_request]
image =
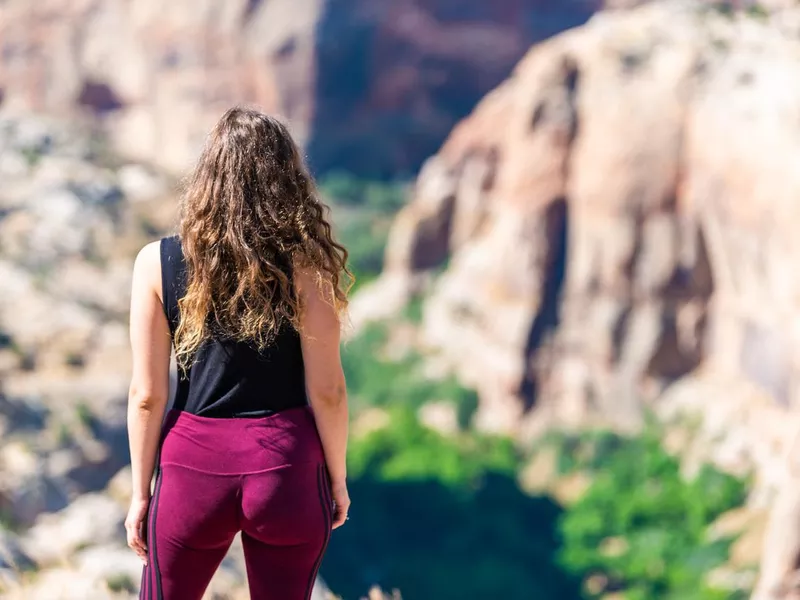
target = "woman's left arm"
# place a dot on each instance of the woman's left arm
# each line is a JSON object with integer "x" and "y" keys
{"x": 149, "y": 389}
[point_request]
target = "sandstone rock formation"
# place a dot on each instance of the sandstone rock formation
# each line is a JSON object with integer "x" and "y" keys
{"x": 345, "y": 72}
{"x": 605, "y": 228}
{"x": 618, "y": 215}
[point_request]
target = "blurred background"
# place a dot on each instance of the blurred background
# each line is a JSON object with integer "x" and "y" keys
{"x": 573, "y": 353}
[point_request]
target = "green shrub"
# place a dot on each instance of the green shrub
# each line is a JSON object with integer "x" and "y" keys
{"x": 342, "y": 187}
{"x": 384, "y": 198}
{"x": 63, "y": 435}
{"x": 374, "y": 381}
{"x": 32, "y": 156}
{"x": 365, "y": 237}
{"x": 121, "y": 582}
{"x": 757, "y": 11}
{"x": 84, "y": 414}
{"x": 408, "y": 450}
{"x": 442, "y": 517}
{"x": 363, "y": 212}
{"x": 639, "y": 498}
{"x": 413, "y": 310}
{"x": 7, "y": 521}
{"x": 346, "y": 189}
{"x": 724, "y": 7}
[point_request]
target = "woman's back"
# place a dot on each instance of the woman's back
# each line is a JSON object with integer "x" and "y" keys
{"x": 248, "y": 297}
{"x": 230, "y": 378}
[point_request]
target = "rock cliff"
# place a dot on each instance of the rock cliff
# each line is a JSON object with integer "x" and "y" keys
{"x": 612, "y": 232}
{"x": 373, "y": 87}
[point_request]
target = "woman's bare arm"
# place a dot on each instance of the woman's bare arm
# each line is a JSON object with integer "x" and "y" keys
{"x": 149, "y": 389}
{"x": 321, "y": 331}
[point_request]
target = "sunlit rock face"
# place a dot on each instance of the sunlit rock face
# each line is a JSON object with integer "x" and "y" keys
{"x": 618, "y": 214}
{"x": 613, "y": 231}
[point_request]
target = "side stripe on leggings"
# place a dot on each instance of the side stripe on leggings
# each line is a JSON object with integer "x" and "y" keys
{"x": 154, "y": 550}
{"x": 143, "y": 584}
{"x": 146, "y": 591}
{"x": 151, "y": 576}
{"x": 326, "y": 512}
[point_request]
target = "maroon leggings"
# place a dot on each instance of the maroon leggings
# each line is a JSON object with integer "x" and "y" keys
{"x": 265, "y": 477}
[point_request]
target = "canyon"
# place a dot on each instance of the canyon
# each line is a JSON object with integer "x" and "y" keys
{"x": 608, "y": 235}
{"x": 369, "y": 87}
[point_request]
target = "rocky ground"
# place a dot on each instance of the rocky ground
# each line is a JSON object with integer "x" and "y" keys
{"x": 69, "y": 221}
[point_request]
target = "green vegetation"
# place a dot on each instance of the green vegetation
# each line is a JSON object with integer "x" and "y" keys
{"x": 376, "y": 381}
{"x": 442, "y": 516}
{"x": 724, "y": 7}
{"x": 757, "y": 11}
{"x": 427, "y": 506}
{"x": 407, "y": 450}
{"x": 347, "y": 190}
{"x": 63, "y": 435}
{"x": 363, "y": 213}
{"x": 364, "y": 236}
{"x": 32, "y": 156}
{"x": 7, "y": 520}
{"x": 413, "y": 310}
{"x": 121, "y": 583}
{"x": 729, "y": 9}
{"x": 656, "y": 520}
{"x": 84, "y": 414}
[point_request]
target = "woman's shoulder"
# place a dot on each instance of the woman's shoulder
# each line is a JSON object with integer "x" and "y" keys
{"x": 161, "y": 255}
{"x": 147, "y": 266}
{"x": 149, "y": 255}
{"x": 153, "y": 253}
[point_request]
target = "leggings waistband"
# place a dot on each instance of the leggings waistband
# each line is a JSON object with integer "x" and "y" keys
{"x": 240, "y": 445}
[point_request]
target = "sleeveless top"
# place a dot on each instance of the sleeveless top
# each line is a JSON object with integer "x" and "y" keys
{"x": 228, "y": 378}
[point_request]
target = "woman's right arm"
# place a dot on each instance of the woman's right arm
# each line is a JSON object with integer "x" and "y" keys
{"x": 320, "y": 337}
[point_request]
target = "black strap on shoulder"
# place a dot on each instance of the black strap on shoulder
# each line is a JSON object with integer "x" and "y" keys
{"x": 173, "y": 276}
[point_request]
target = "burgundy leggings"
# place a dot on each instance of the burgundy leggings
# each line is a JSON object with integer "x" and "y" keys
{"x": 265, "y": 477}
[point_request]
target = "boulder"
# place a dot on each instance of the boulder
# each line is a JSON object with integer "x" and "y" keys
{"x": 89, "y": 520}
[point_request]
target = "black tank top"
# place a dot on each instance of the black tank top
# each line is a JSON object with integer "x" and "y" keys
{"x": 228, "y": 378}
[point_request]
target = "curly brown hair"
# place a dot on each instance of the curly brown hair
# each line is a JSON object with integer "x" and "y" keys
{"x": 250, "y": 215}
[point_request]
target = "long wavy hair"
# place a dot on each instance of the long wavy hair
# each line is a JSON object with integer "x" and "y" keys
{"x": 250, "y": 216}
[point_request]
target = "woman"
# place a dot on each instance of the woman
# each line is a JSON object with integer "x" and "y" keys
{"x": 249, "y": 296}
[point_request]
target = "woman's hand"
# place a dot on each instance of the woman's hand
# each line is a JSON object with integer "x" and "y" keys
{"x": 341, "y": 503}
{"x": 134, "y": 526}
